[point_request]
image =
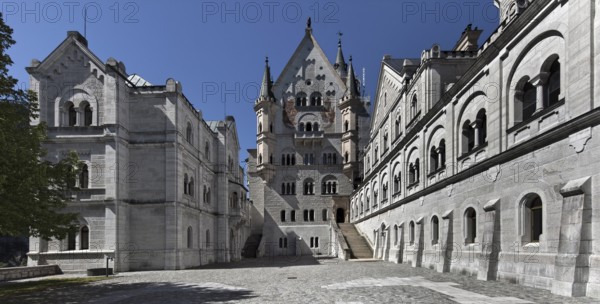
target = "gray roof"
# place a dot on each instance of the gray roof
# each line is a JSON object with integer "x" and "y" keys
{"x": 138, "y": 81}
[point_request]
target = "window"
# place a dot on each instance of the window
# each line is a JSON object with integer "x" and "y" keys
{"x": 271, "y": 127}
{"x": 532, "y": 218}
{"x": 271, "y": 159}
{"x": 468, "y": 137}
{"x": 314, "y": 242}
{"x": 301, "y": 127}
{"x": 411, "y": 233}
{"x": 207, "y": 151}
{"x": 442, "y": 153}
{"x": 84, "y": 238}
{"x": 188, "y": 133}
{"x": 413, "y": 172}
{"x": 282, "y": 215}
{"x": 552, "y": 90}
{"x": 189, "y": 237}
{"x": 185, "y": 184}
{"x": 293, "y": 215}
{"x": 87, "y": 115}
{"x": 309, "y": 187}
{"x": 384, "y": 189}
{"x": 481, "y": 125}
{"x": 528, "y": 101}
{"x": 72, "y": 115}
{"x": 433, "y": 160}
{"x": 470, "y": 226}
{"x": 324, "y": 215}
{"x": 84, "y": 177}
{"x": 435, "y": 230}
{"x": 346, "y": 157}
{"x": 395, "y": 235}
{"x": 260, "y": 127}
{"x": 309, "y": 159}
{"x": 413, "y": 107}
{"x": 315, "y": 127}
{"x": 260, "y": 160}
{"x": 346, "y": 126}
{"x": 397, "y": 183}
{"x": 306, "y": 215}
{"x": 315, "y": 99}
{"x": 385, "y": 141}
{"x": 282, "y": 242}
{"x": 397, "y": 126}
{"x": 71, "y": 240}
{"x": 301, "y": 99}
{"x": 191, "y": 187}
{"x": 208, "y": 198}
{"x": 312, "y": 215}
{"x": 308, "y": 127}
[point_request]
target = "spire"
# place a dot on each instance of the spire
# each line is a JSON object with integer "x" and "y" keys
{"x": 340, "y": 63}
{"x": 351, "y": 89}
{"x": 265, "y": 88}
{"x": 308, "y": 26}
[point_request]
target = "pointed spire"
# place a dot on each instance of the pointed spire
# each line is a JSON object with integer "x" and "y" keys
{"x": 308, "y": 26}
{"x": 351, "y": 89}
{"x": 265, "y": 88}
{"x": 340, "y": 64}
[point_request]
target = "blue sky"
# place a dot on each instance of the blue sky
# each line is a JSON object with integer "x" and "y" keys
{"x": 216, "y": 49}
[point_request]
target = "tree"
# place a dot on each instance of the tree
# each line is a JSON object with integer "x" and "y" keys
{"x": 33, "y": 192}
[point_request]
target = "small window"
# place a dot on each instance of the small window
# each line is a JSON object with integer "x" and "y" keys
{"x": 188, "y": 133}
{"x": 293, "y": 215}
{"x": 185, "y": 184}
{"x": 312, "y": 215}
{"x": 87, "y": 113}
{"x": 411, "y": 233}
{"x": 282, "y": 215}
{"x": 84, "y": 177}
{"x": 85, "y": 238}
{"x": 72, "y": 115}
{"x": 306, "y": 215}
{"x": 553, "y": 85}
{"x": 435, "y": 230}
{"x": 71, "y": 240}
{"x": 346, "y": 126}
{"x": 190, "y": 237}
{"x": 470, "y": 227}
{"x": 468, "y": 137}
{"x": 324, "y": 215}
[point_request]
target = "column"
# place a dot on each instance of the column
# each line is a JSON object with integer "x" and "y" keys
{"x": 538, "y": 83}
{"x": 446, "y": 242}
{"x": 418, "y": 250}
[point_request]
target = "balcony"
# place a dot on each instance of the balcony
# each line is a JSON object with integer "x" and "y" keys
{"x": 309, "y": 138}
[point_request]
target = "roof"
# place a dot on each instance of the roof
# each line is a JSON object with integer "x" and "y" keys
{"x": 138, "y": 81}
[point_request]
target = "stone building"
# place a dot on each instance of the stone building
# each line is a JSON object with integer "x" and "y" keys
{"x": 482, "y": 159}
{"x": 161, "y": 187}
{"x": 306, "y": 163}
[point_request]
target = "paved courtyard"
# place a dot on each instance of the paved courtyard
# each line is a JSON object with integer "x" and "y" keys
{"x": 290, "y": 280}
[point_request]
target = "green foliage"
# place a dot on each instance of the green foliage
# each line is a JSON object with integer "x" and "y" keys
{"x": 32, "y": 191}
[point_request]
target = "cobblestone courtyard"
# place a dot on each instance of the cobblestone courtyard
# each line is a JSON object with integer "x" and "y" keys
{"x": 295, "y": 281}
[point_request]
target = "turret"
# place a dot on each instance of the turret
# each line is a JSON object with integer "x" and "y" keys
{"x": 340, "y": 63}
{"x": 265, "y": 113}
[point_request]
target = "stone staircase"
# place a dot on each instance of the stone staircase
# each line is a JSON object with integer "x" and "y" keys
{"x": 251, "y": 245}
{"x": 358, "y": 245}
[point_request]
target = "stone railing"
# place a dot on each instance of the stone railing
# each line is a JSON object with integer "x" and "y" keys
{"x": 17, "y": 273}
{"x": 342, "y": 249}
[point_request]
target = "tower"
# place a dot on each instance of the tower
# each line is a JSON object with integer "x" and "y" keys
{"x": 265, "y": 138}
{"x": 350, "y": 107}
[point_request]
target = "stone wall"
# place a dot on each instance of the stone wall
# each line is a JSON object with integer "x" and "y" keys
{"x": 17, "y": 273}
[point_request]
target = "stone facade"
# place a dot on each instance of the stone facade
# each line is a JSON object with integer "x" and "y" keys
{"x": 306, "y": 162}
{"x": 491, "y": 160}
{"x": 161, "y": 188}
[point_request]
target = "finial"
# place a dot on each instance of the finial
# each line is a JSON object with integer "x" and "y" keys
{"x": 308, "y": 23}
{"x": 350, "y": 58}
{"x": 267, "y": 60}
{"x": 340, "y": 34}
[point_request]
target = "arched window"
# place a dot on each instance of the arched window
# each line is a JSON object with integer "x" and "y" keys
{"x": 293, "y": 215}
{"x": 282, "y": 215}
{"x": 346, "y": 157}
{"x": 529, "y": 101}
{"x": 481, "y": 125}
{"x": 417, "y": 170}
{"x": 442, "y": 153}
{"x": 411, "y": 233}
{"x": 315, "y": 99}
{"x": 397, "y": 180}
{"x": 309, "y": 127}
{"x": 260, "y": 127}
{"x": 532, "y": 218}
{"x": 72, "y": 115}
{"x": 552, "y": 91}
{"x": 309, "y": 187}
{"x": 260, "y": 160}
{"x": 188, "y": 133}
{"x": 470, "y": 226}
{"x": 316, "y": 127}
{"x": 468, "y": 137}
{"x": 190, "y": 237}
{"x": 397, "y": 126}
{"x": 87, "y": 115}
{"x": 301, "y": 99}
{"x": 84, "y": 238}
{"x": 324, "y": 213}
{"x": 301, "y": 127}
{"x": 395, "y": 236}
{"x": 346, "y": 126}
{"x": 185, "y": 184}
{"x": 433, "y": 160}
{"x": 435, "y": 230}
{"x": 84, "y": 177}
{"x": 413, "y": 107}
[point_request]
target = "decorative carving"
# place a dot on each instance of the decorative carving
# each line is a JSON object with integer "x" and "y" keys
{"x": 449, "y": 190}
{"x": 493, "y": 173}
{"x": 580, "y": 139}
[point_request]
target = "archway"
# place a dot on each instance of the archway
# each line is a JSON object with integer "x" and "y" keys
{"x": 340, "y": 215}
